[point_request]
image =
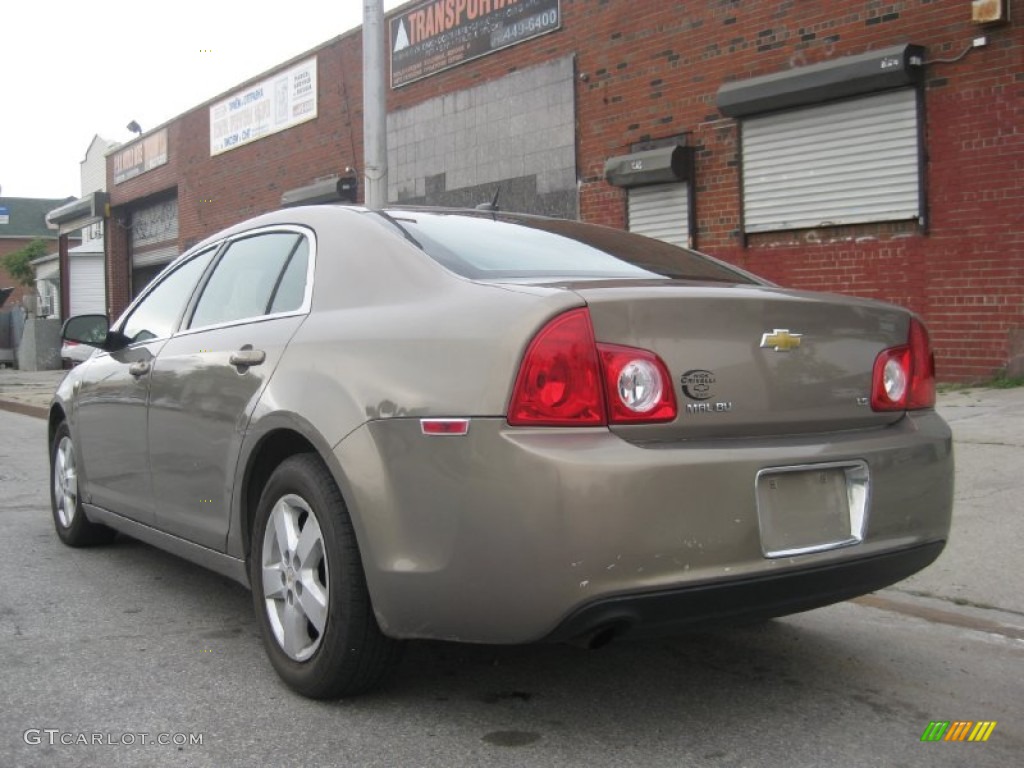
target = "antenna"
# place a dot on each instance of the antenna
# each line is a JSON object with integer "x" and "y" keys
{"x": 493, "y": 205}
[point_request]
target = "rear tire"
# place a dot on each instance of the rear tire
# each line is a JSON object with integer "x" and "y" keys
{"x": 309, "y": 589}
{"x": 73, "y": 527}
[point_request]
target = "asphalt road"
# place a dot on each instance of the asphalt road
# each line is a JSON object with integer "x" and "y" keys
{"x": 128, "y": 643}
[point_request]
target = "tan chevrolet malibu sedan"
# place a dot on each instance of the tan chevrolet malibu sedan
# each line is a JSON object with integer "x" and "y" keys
{"x": 498, "y": 428}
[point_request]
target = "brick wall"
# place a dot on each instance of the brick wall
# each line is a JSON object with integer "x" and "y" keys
{"x": 215, "y": 192}
{"x": 652, "y": 69}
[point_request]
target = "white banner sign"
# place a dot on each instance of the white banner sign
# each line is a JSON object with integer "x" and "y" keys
{"x": 279, "y": 102}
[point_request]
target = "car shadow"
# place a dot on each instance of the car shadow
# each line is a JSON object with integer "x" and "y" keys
{"x": 524, "y": 694}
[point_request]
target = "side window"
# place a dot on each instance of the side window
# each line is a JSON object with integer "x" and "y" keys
{"x": 157, "y": 315}
{"x": 244, "y": 279}
{"x": 292, "y": 288}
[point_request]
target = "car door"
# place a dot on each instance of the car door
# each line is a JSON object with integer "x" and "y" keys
{"x": 208, "y": 378}
{"x": 111, "y": 401}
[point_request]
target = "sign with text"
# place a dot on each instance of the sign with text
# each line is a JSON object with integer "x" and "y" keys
{"x": 279, "y": 102}
{"x": 144, "y": 155}
{"x": 439, "y": 34}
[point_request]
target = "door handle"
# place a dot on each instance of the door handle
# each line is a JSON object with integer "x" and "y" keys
{"x": 244, "y": 358}
{"x": 138, "y": 369}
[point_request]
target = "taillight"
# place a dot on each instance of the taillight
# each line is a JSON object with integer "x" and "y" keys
{"x": 567, "y": 379}
{"x": 904, "y": 376}
{"x": 558, "y": 383}
{"x": 637, "y": 385}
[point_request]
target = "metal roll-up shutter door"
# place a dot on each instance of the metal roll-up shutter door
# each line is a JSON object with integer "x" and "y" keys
{"x": 154, "y": 256}
{"x": 154, "y": 234}
{"x": 846, "y": 162}
{"x": 660, "y": 211}
{"x": 88, "y": 293}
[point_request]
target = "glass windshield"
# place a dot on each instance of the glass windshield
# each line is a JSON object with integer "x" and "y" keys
{"x": 507, "y": 246}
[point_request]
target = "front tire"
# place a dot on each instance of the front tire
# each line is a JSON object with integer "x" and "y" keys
{"x": 309, "y": 589}
{"x": 73, "y": 527}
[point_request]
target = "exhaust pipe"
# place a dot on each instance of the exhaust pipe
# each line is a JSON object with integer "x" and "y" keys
{"x": 600, "y": 636}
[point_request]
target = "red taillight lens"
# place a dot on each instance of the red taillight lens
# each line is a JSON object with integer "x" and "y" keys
{"x": 559, "y": 383}
{"x": 904, "y": 376}
{"x": 568, "y": 380}
{"x": 637, "y": 386}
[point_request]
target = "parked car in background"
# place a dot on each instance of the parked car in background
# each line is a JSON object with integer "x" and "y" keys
{"x": 498, "y": 428}
{"x": 75, "y": 352}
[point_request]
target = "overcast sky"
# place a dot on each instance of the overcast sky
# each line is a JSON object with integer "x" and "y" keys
{"x": 71, "y": 69}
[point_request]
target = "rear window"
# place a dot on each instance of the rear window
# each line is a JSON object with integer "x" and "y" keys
{"x": 505, "y": 246}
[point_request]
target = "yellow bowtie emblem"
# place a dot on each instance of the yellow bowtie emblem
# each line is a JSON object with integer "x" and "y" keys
{"x": 781, "y": 340}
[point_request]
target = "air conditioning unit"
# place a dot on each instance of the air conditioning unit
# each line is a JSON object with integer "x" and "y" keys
{"x": 45, "y": 307}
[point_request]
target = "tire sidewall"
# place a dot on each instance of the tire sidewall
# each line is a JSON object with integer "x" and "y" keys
{"x": 70, "y": 533}
{"x": 294, "y": 477}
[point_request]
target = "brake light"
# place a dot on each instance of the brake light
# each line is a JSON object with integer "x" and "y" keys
{"x": 567, "y": 379}
{"x": 904, "y": 376}
{"x": 558, "y": 383}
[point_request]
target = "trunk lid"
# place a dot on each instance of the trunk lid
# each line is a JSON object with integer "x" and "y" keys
{"x": 750, "y": 360}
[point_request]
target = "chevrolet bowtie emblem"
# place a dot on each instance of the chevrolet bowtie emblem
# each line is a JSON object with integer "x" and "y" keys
{"x": 781, "y": 340}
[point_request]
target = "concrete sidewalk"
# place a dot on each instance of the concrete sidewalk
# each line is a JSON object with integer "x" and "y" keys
{"x": 28, "y": 392}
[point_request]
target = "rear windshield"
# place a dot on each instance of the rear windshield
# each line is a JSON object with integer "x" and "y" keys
{"x": 502, "y": 246}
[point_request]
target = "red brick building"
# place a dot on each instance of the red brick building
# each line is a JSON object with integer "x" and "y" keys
{"x": 871, "y": 148}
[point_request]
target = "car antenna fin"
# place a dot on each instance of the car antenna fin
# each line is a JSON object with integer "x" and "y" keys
{"x": 493, "y": 205}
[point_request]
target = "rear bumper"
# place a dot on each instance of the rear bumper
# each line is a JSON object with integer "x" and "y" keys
{"x": 760, "y": 597}
{"x": 511, "y": 535}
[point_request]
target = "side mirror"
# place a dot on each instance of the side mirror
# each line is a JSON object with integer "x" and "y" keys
{"x": 93, "y": 330}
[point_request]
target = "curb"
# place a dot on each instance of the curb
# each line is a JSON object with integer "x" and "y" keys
{"x": 24, "y": 409}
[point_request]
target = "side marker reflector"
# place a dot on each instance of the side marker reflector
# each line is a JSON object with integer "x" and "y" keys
{"x": 444, "y": 426}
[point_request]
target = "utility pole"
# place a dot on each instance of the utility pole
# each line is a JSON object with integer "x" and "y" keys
{"x": 375, "y": 142}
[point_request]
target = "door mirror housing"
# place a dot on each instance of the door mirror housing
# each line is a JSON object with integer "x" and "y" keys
{"x": 93, "y": 330}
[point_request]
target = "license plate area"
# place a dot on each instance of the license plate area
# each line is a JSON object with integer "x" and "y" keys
{"x": 811, "y": 507}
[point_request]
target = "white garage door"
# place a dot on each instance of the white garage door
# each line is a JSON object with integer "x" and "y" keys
{"x": 87, "y": 291}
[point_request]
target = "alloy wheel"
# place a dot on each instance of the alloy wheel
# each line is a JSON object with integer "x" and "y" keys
{"x": 295, "y": 577}
{"x": 65, "y": 482}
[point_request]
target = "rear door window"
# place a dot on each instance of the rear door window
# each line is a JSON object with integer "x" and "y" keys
{"x": 250, "y": 276}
